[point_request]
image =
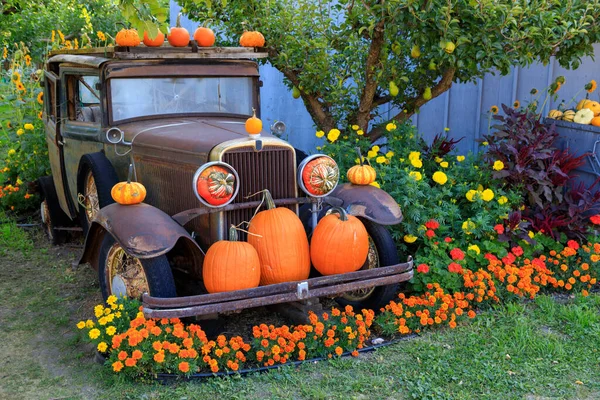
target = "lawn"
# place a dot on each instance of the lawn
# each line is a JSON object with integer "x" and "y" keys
{"x": 547, "y": 348}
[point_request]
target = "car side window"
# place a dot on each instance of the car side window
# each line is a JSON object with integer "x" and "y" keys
{"x": 83, "y": 99}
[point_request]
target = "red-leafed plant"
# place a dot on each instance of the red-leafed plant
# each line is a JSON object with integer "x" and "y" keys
{"x": 440, "y": 146}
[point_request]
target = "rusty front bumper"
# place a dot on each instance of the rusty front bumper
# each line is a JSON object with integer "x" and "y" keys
{"x": 323, "y": 286}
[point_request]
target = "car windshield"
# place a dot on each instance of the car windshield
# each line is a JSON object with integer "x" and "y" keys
{"x": 140, "y": 97}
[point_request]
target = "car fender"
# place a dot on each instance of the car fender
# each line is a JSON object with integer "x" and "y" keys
{"x": 142, "y": 230}
{"x": 369, "y": 202}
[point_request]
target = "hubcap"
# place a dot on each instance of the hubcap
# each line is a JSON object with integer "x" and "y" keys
{"x": 47, "y": 223}
{"x": 92, "y": 205}
{"x": 372, "y": 262}
{"x": 125, "y": 274}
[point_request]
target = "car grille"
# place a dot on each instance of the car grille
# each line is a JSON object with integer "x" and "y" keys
{"x": 273, "y": 168}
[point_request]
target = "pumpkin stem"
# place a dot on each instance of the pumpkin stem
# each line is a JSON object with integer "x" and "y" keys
{"x": 233, "y": 235}
{"x": 268, "y": 199}
{"x": 342, "y": 213}
{"x": 360, "y": 158}
{"x": 130, "y": 174}
{"x": 253, "y": 112}
{"x": 178, "y": 21}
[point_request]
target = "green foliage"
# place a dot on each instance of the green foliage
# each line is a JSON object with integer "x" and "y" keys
{"x": 147, "y": 15}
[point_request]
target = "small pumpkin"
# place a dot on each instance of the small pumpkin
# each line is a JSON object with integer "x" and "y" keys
{"x": 178, "y": 36}
{"x": 339, "y": 244}
{"x": 252, "y": 39}
{"x": 216, "y": 185}
{"x": 320, "y": 176}
{"x": 156, "y": 42}
{"x": 555, "y": 114}
{"x": 568, "y": 115}
{"x": 230, "y": 265}
{"x": 594, "y": 106}
{"x": 596, "y": 121}
{"x": 584, "y": 116}
{"x": 204, "y": 37}
{"x": 582, "y": 103}
{"x": 128, "y": 193}
{"x": 280, "y": 240}
{"x": 362, "y": 174}
{"x": 254, "y": 124}
{"x": 127, "y": 38}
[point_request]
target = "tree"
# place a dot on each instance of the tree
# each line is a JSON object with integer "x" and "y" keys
{"x": 349, "y": 57}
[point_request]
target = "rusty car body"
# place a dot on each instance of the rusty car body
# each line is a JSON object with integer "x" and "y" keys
{"x": 169, "y": 112}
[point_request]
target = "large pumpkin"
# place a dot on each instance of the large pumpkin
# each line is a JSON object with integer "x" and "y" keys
{"x": 230, "y": 265}
{"x": 178, "y": 36}
{"x": 278, "y": 236}
{"x": 594, "y": 106}
{"x": 362, "y": 174}
{"x": 128, "y": 193}
{"x": 320, "y": 176}
{"x": 127, "y": 38}
{"x": 339, "y": 244}
{"x": 252, "y": 39}
{"x": 216, "y": 185}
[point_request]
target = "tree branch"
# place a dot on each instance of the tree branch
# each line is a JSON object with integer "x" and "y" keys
{"x": 411, "y": 105}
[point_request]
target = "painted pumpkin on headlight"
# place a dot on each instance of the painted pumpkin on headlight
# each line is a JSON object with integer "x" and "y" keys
{"x": 216, "y": 185}
{"x": 320, "y": 176}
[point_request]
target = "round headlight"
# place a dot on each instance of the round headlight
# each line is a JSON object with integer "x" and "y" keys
{"x": 318, "y": 175}
{"x": 216, "y": 184}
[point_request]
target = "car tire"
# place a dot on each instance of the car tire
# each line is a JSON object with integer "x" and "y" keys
{"x": 385, "y": 250}
{"x": 51, "y": 213}
{"x": 157, "y": 271}
{"x": 96, "y": 167}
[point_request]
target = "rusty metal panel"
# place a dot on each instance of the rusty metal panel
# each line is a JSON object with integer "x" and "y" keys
{"x": 152, "y": 68}
{"x": 369, "y": 202}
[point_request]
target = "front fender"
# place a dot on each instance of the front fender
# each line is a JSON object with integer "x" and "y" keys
{"x": 142, "y": 231}
{"x": 369, "y": 202}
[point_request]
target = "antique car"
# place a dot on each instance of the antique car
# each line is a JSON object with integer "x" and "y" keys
{"x": 170, "y": 114}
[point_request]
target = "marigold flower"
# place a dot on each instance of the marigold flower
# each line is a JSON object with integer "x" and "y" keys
{"x": 320, "y": 134}
{"x": 457, "y": 254}
{"x": 360, "y": 132}
{"x": 184, "y": 367}
{"x": 410, "y": 238}
{"x": 416, "y": 175}
{"x": 444, "y": 164}
{"x": 573, "y": 244}
{"x": 430, "y": 233}
{"x": 390, "y": 126}
{"x": 432, "y": 224}
{"x": 471, "y": 194}
{"x": 80, "y": 325}
{"x": 117, "y": 366}
{"x": 130, "y": 362}
{"x": 423, "y": 268}
{"x": 94, "y": 333}
{"x": 498, "y": 165}
{"x": 440, "y": 177}
{"x": 416, "y": 162}
{"x": 333, "y": 135}
{"x": 454, "y": 267}
{"x": 468, "y": 226}
{"x": 460, "y": 158}
{"x": 102, "y": 346}
{"x": 487, "y": 195}
{"x": 502, "y": 200}
{"x": 339, "y": 351}
{"x": 380, "y": 159}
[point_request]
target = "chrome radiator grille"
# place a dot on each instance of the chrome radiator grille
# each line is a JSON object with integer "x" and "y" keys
{"x": 273, "y": 168}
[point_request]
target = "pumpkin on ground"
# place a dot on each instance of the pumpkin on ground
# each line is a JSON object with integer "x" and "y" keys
{"x": 339, "y": 244}
{"x": 568, "y": 115}
{"x": 178, "y": 36}
{"x": 362, "y": 174}
{"x": 253, "y": 124}
{"x": 594, "y": 106}
{"x": 127, "y": 38}
{"x": 252, "y": 39}
{"x": 128, "y": 193}
{"x": 320, "y": 176}
{"x": 204, "y": 37}
{"x": 584, "y": 116}
{"x": 280, "y": 240}
{"x": 230, "y": 265}
{"x": 555, "y": 114}
{"x": 156, "y": 42}
{"x": 216, "y": 185}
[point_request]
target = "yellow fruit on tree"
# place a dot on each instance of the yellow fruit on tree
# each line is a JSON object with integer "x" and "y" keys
{"x": 393, "y": 89}
{"x": 449, "y": 47}
{"x": 295, "y": 92}
{"x": 427, "y": 93}
{"x": 415, "y": 52}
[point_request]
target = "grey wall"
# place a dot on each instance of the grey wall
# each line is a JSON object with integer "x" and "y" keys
{"x": 463, "y": 109}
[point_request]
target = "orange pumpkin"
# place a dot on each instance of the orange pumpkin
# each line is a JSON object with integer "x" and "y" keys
{"x": 178, "y": 36}
{"x": 596, "y": 121}
{"x": 252, "y": 39}
{"x": 339, "y": 244}
{"x": 230, "y": 265}
{"x": 594, "y": 106}
{"x": 156, "y": 42}
{"x": 253, "y": 124}
{"x": 127, "y": 193}
{"x": 362, "y": 174}
{"x": 127, "y": 38}
{"x": 279, "y": 238}
{"x": 204, "y": 36}
{"x": 320, "y": 176}
{"x": 216, "y": 185}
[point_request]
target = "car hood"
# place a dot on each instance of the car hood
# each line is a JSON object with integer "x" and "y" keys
{"x": 183, "y": 138}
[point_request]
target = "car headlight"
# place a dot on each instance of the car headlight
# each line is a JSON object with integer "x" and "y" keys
{"x": 318, "y": 175}
{"x": 216, "y": 184}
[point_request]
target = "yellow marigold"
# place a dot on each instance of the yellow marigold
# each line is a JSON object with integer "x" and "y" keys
{"x": 112, "y": 299}
{"x": 389, "y": 154}
{"x": 375, "y": 148}
{"x": 380, "y": 159}
{"x": 470, "y": 195}
{"x": 444, "y": 164}
{"x": 20, "y": 132}
{"x": 416, "y": 175}
{"x": 355, "y": 127}
{"x": 590, "y": 87}
{"x": 375, "y": 184}
{"x": 468, "y": 226}
{"x": 498, "y": 165}
{"x": 475, "y": 248}
{"x": 460, "y": 158}
{"x": 111, "y": 330}
{"x": 530, "y": 234}
{"x": 80, "y": 325}
{"x": 438, "y": 159}
{"x": 40, "y": 98}
{"x": 94, "y": 333}
{"x": 410, "y": 238}
{"x": 502, "y": 200}
{"x": 371, "y": 154}
{"x": 417, "y": 163}
{"x": 414, "y": 155}
{"x": 29, "y": 127}
{"x": 320, "y": 134}
{"x": 494, "y": 109}
{"x": 102, "y": 346}
{"x": 89, "y": 323}
{"x": 440, "y": 177}
{"x": 487, "y": 195}
{"x": 485, "y": 144}
{"x": 390, "y": 127}
{"x": 360, "y": 132}
{"x": 333, "y": 135}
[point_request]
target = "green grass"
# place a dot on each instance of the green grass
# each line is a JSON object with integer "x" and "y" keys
{"x": 533, "y": 350}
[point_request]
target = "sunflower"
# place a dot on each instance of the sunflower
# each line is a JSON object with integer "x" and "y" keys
{"x": 555, "y": 87}
{"x": 20, "y": 86}
{"x": 28, "y": 60}
{"x": 15, "y": 77}
{"x": 101, "y": 35}
{"x": 494, "y": 110}
{"x": 516, "y": 104}
{"x": 590, "y": 87}
{"x": 533, "y": 91}
{"x": 40, "y": 98}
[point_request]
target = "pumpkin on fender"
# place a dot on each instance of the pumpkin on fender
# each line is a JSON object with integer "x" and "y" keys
{"x": 128, "y": 193}
{"x": 230, "y": 265}
{"x": 339, "y": 244}
{"x": 280, "y": 240}
{"x": 362, "y": 174}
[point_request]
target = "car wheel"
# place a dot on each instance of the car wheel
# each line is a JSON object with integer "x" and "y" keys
{"x": 121, "y": 274}
{"x": 95, "y": 180}
{"x": 382, "y": 252}
{"x": 51, "y": 214}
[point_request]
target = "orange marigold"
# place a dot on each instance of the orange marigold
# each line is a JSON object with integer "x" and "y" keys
{"x": 184, "y": 367}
